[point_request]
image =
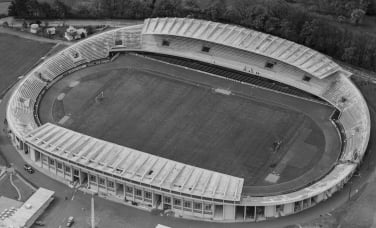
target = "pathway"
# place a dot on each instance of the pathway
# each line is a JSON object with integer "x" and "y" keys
{"x": 15, "y": 187}
{"x": 30, "y": 36}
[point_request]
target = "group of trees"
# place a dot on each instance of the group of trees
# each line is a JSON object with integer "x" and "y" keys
{"x": 277, "y": 17}
{"x": 35, "y": 9}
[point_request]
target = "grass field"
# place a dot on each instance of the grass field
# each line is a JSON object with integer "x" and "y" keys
{"x": 17, "y": 56}
{"x": 185, "y": 122}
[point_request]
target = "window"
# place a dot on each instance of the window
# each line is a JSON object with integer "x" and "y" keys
{"x": 187, "y": 204}
{"x": 52, "y": 162}
{"x": 93, "y": 178}
{"x": 269, "y": 65}
{"x": 147, "y": 195}
{"x": 110, "y": 184}
{"x": 260, "y": 211}
{"x": 167, "y": 200}
{"x": 297, "y": 207}
{"x": 306, "y": 78}
{"x": 197, "y": 206}
{"x": 207, "y": 207}
{"x": 129, "y": 189}
{"x": 205, "y": 49}
{"x": 101, "y": 181}
{"x": 67, "y": 169}
{"x": 59, "y": 165}
{"x": 118, "y": 42}
{"x": 76, "y": 172}
{"x": 177, "y": 202}
{"x": 165, "y": 43}
{"x": 280, "y": 208}
{"x": 138, "y": 192}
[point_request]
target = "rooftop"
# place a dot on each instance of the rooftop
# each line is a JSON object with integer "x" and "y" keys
{"x": 134, "y": 165}
{"x": 304, "y": 58}
{"x": 26, "y": 212}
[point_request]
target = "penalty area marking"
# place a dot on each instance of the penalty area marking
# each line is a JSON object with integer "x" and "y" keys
{"x": 222, "y": 91}
{"x": 61, "y": 96}
{"x": 63, "y": 120}
{"x": 272, "y": 178}
{"x": 74, "y": 84}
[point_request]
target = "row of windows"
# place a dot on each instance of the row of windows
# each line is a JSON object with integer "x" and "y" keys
{"x": 101, "y": 181}
{"x": 187, "y": 204}
{"x": 93, "y": 178}
{"x": 166, "y": 43}
{"x": 146, "y": 195}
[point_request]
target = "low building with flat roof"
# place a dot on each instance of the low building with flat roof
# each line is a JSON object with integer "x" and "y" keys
{"x": 24, "y": 216}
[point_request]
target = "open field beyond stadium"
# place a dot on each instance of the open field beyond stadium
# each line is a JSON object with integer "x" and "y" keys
{"x": 17, "y": 56}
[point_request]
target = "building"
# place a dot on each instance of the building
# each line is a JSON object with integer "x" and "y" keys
{"x": 34, "y": 28}
{"x": 26, "y": 214}
{"x": 75, "y": 34}
{"x": 141, "y": 179}
{"x": 51, "y": 31}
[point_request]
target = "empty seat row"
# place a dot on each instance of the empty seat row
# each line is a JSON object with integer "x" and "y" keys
{"x": 233, "y": 75}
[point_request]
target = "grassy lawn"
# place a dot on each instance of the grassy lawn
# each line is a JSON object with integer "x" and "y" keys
{"x": 25, "y": 190}
{"x": 7, "y": 189}
{"x": 17, "y": 56}
{"x": 182, "y": 122}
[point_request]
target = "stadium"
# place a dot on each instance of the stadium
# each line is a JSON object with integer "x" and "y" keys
{"x": 205, "y": 120}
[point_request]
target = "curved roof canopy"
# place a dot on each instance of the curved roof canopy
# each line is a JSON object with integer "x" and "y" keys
{"x": 306, "y": 59}
{"x": 134, "y": 166}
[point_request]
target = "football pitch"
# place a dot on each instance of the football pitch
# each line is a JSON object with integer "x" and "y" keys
{"x": 259, "y": 135}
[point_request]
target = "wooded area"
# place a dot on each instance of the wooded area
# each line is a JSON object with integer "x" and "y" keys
{"x": 278, "y": 17}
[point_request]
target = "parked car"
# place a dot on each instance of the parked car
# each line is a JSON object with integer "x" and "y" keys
{"x": 28, "y": 168}
{"x": 70, "y": 221}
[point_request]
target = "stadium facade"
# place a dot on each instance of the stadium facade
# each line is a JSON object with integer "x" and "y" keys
{"x": 141, "y": 179}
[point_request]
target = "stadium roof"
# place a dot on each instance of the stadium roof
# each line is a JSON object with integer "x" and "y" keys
{"x": 304, "y": 58}
{"x": 134, "y": 165}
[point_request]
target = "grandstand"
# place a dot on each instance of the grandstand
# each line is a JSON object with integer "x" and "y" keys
{"x": 226, "y": 51}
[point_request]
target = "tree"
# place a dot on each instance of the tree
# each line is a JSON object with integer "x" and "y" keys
{"x": 167, "y": 8}
{"x": 287, "y": 30}
{"x": 272, "y": 25}
{"x": 243, "y": 11}
{"x": 107, "y": 7}
{"x": 309, "y": 31}
{"x": 89, "y": 30}
{"x": 357, "y": 16}
{"x": 216, "y": 10}
{"x": 24, "y": 24}
{"x": 341, "y": 19}
{"x": 18, "y": 8}
{"x": 82, "y": 35}
{"x": 5, "y": 24}
{"x": 349, "y": 54}
{"x": 12, "y": 11}
{"x": 61, "y": 10}
{"x": 277, "y": 8}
